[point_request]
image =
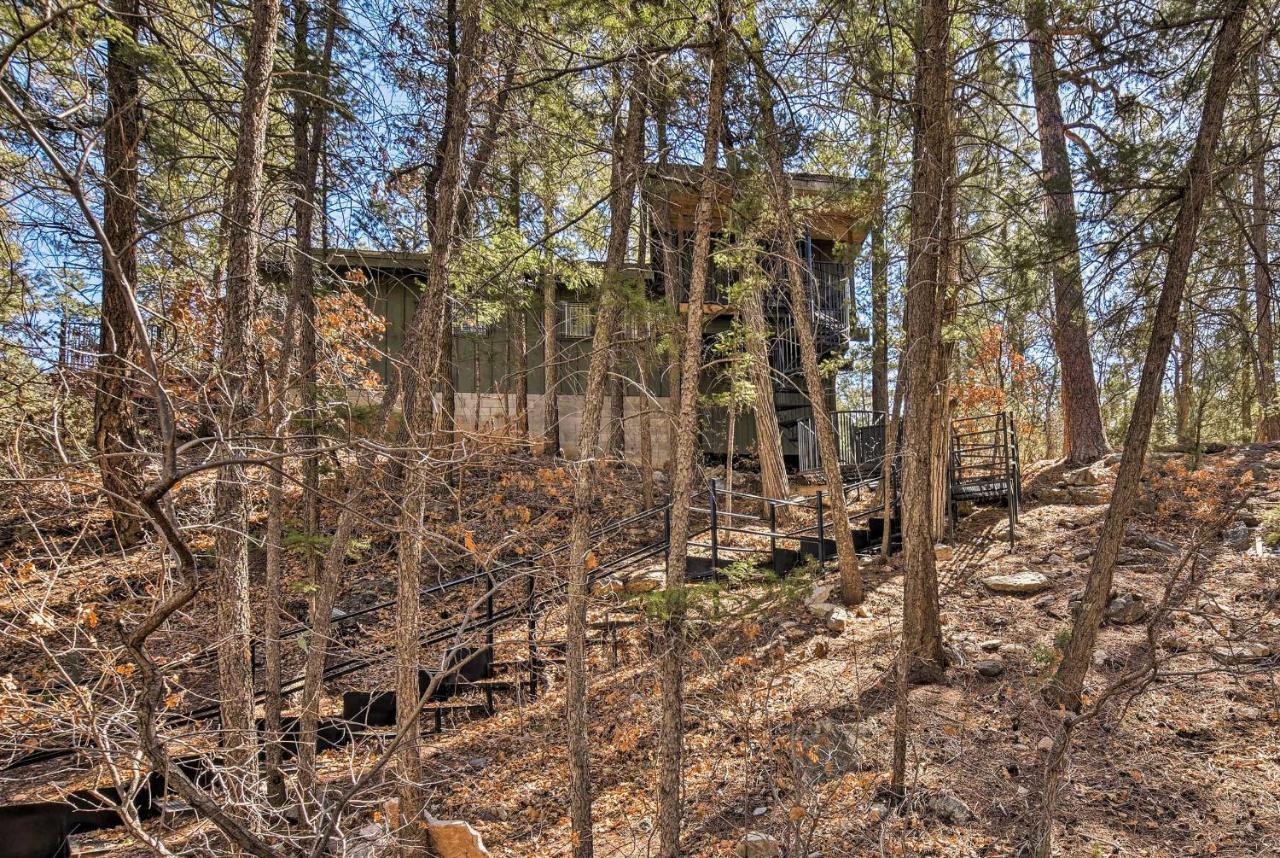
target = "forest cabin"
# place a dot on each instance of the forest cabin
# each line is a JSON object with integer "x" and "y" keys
{"x": 485, "y": 365}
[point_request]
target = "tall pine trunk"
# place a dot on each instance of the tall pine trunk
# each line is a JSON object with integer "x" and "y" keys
{"x": 309, "y": 124}
{"x": 669, "y": 810}
{"x": 1084, "y": 439}
{"x": 239, "y": 311}
{"x": 797, "y": 279}
{"x": 1198, "y": 184}
{"x": 113, "y": 424}
{"x": 589, "y": 452}
{"x": 773, "y": 471}
{"x": 1263, "y": 288}
{"x": 425, "y": 368}
{"x": 922, "y": 654}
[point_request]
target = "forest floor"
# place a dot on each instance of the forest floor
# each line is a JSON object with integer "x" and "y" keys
{"x": 789, "y": 709}
{"x": 789, "y": 720}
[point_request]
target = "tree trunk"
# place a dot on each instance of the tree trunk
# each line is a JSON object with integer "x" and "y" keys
{"x": 309, "y": 123}
{"x": 235, "y": 671}
{"x": 1248, "y": 364}
{"x": 1263, "y": 289}
{"x": 425, "y": 368}
{"x": 773, "y": 470}
{"x": 1184, "y": 377}
{"x": 1084, "y": 439}
{"x": 669, "y": 811}
{"x": 589, "y": 451}
{"x": 879, "y": 265}
{"x": 921, "y": 631}
{"x": 797, "y": 277}
{"x": 1069, "y": 679}
{"x": 113, "y": 425}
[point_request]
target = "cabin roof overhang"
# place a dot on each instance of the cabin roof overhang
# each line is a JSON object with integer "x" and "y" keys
{"x": 831, "y": 208}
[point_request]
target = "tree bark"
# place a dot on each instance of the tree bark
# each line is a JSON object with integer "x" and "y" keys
{"x": 669, "y": 810}
{"x": 235, "y": 672}
{"x": 425, "y": 368}
{"x": 113, "y": 424}
{"x": 1084, "y": 439}
{"x": 1263, "y": 288}
{"x": 1198, "y": 184}
{"x": 1184, "y": 377}
{"x": 879, "y": 266}
{"x": 589, "y": 453}
{"x": 309, "y": 124}
{"x": 793, "y": 270}
{"x": 773, "y": 470}
{"x": 930, "y": 214}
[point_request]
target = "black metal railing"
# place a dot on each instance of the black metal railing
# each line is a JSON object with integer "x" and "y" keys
{"x": 984, "y": 463}
{"x": 860, "y": 437}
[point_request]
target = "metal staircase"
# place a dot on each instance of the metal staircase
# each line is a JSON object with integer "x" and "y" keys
{"x": 507, "y": 651}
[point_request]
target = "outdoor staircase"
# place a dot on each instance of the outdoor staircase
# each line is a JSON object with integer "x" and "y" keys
{"x": 472, "y": 678}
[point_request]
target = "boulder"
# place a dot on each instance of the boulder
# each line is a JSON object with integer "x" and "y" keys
{"x": 1020, "y": 583}
{"x": 758, "y": 845}
{"x": 1152, "y": 543}
{"x": 1236, "y": 537}
{"x": 820, "y": 595}
{"x": 839, "y": 619}
{"x": 948, "y": 808}
{"x": 1092, "y": 475}
{"x": 823, "y": 610}
{"x": 1246, "y": 652}
{"x": 990, "y": 667}
{"x": 454, "y": 838}
{"x": 645, "y": 582}
{"x": 1127, "y": 609}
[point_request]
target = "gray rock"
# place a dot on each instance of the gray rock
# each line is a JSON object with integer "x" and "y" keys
{"x": 990, "y": 667}
{"x": 1153, "y": 543}
{"x": 948, "y": 808}
{"x": 990, "y": 645}
{"x": 759, "y": 845}
{"x": 1247, "y": 652}
{"x": 1016, "y": 650}
{"x": 1092, "y": 475}
{"x": 1025, "y": 582}
{"x": 1126, "y": 609}
{"x": 1236, "y": 537}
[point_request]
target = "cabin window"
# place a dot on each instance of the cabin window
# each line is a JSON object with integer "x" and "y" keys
{"x": 577, "y": 321}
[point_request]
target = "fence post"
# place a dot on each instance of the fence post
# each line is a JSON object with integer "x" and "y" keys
{"x": 666, "y": 536}
{"x": 715, "y": 526}
{"x": 822, "y": 541}
{"x": 532, "y": 627}
{"x": 488, "y": 611}
{"x": 773, "y": 528}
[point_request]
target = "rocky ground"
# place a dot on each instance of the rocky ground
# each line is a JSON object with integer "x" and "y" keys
{"x": 789, "y": 707}
{"x": 789, "y": 712}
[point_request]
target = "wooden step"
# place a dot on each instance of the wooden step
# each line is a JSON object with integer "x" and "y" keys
{"x": 610, "y": 624}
